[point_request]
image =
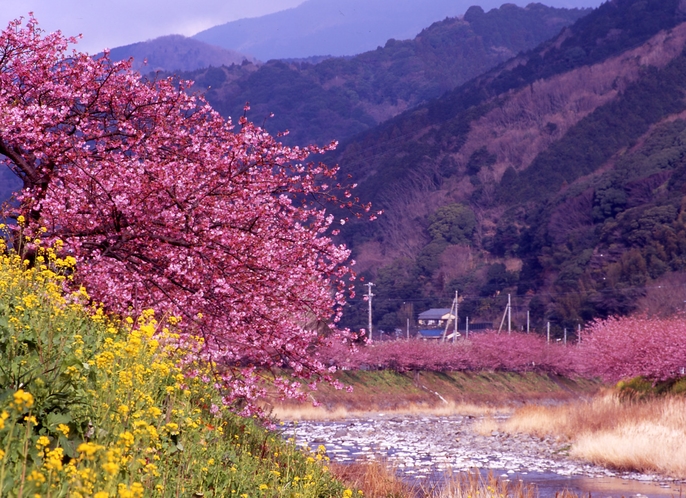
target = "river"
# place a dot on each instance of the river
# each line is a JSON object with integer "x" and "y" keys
{"x": 426, "y": 447}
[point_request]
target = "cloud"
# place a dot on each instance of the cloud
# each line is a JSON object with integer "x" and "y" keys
{"x": 106, "y": 23}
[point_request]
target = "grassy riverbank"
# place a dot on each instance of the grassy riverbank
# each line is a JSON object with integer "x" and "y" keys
{"x": 435, "y": 392}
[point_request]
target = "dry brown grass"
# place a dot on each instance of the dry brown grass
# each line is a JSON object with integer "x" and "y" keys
{"x": 475, "y": 485}
{"x": 376, "y": 479}
{"x": 656, "y": 444}
{"x": 309, "y": 412}
{"x": 644, "y": 436}
{"x": 486, "y": 426}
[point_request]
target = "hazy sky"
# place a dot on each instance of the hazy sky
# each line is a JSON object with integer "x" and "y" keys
{"x": 112, "y": 23}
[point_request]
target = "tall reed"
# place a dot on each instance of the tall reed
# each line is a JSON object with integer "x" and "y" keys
{"x": 640, "y": 435}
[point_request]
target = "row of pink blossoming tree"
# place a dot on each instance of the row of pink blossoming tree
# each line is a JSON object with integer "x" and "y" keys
{"x": 613, "y": 349}
{"x": 167, "y": 205}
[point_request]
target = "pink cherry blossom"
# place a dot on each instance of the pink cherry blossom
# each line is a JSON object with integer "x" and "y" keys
{"x": 167, "y": 205}
{"x": 622, "y": 348}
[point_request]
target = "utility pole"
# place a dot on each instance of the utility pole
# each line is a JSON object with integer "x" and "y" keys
{"x": 466, "y": 329}
{"x": 565, "y": 336}
{"x": 457, "y": 303}
{"x": 507, "y": 314}
{"x": 502, "y": 322}
{"x": 453, "y": 313}
{"x": 578, "y": 334}
{"x": 369, "y": 300}
{"x": 548, "y": 328}
{"x": 408, "y": 329}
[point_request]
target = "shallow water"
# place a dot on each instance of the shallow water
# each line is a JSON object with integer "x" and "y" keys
{"x": 550, "y": 483}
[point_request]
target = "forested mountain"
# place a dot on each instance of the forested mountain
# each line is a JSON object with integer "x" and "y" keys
{"x": 176, "y": 53}
{"x": 558, "y": 177}
{"x": 339, "y": 97}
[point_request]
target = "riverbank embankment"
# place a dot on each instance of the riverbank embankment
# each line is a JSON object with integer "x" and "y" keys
{"x": 433, "y": 392}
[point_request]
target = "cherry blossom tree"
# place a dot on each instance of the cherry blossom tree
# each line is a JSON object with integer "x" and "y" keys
{"x": 167, "y": 205}
{"x": 515, "y": 352}
{"x": 626, "y": 347}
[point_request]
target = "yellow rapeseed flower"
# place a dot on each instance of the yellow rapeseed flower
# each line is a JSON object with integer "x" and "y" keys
{"x": 154, "y": 412}
{"x": 54, "y": 459}
{"x": 152, "y": 432}
{"x": 126, "y": 438}
{"x": 136, "y": 490}
{"x": 22, "y": 399}
{"x": 111, "y": 468}
{"x": 37, "y": 477}
{"x": 89, "y": 449}
{"x": 172, "y": 428}
{"x": 148, "y": 330}
{"x": 151, "y": 468}
{"x": 3, "y": 416}
{"x": 42, "y": 442}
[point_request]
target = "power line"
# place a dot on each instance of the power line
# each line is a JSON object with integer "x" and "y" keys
{"x": 543, "y": 293}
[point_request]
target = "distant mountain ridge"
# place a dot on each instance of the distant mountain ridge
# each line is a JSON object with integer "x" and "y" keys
{"x": 339, "y": 27}
{"x": 338, "y": 97}
{"x": 176, "y": 53}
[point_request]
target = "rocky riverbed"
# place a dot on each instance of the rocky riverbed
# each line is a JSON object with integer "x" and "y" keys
{"x": 422, "y": 447}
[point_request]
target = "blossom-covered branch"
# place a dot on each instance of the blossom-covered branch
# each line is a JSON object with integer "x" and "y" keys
{"x": 165, "y": 204}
